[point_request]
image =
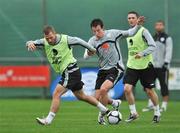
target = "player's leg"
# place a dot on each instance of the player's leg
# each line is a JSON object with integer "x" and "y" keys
{"x": 59, "y": 91}
{"x": 150, "y": 105}
{"x": 101, "y": 119}
{"x": 130, "y": 80}
{"x": 104, "y": 98}
{"x": 90, "y": 99}
{"x": 154, "y": 98}
{"x": 75, "y": 84}
{"x": 128, "y": 89}
{"x": 147, "y": 79}
{"x": 105, "y": 87}
{"x": 163, "y": 79}
{"x": 113, "y": 102}
{"x": 93, "y": 101}
{"x": 105, "y": 81}
{"x": 113, "y": 75}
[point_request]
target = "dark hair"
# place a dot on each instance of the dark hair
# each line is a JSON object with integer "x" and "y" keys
{"x": 47, "y": 29}
{"x": 133, "y": 12}
{"x": 160, "y": 21}
{"x": 96, "y": 22}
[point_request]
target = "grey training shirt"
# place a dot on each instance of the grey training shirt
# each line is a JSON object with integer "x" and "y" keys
{"x": 107, "y": 47}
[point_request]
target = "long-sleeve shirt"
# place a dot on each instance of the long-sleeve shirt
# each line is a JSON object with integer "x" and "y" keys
{"x": 107, "y": 47}
{"x": 150, "y": 41}
{"x": 71, "y": 42}
{"x": 163, "y": 52}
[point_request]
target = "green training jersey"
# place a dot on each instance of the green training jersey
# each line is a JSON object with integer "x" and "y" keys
{"x": 59, "y": 55}
{"x": 137, "y": 44}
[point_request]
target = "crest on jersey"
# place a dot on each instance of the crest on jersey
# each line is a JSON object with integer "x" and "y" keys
{"x": 105, "y": 46}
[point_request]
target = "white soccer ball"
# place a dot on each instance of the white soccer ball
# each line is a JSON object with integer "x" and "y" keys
{"x": 114, "y": 117}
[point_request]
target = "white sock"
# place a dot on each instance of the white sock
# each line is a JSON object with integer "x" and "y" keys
{"x": 50, "y": 117}
{"x": 164, "y": 104}
{"x": 133, "y": 109}
{"x": 156, "y": 110}
{"x": 150, "y": 103}
{"x": 101, "y": 107}
{"x": 114, "y": 103}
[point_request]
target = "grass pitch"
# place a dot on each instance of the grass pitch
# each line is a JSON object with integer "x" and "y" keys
{"x": 18, "y": 116}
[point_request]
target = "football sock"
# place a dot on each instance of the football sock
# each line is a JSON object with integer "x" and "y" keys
{"x": 50, "y": 117}
{"x": 156, "y": 110}
{"x": 133, "y": 109}
{"x": 164, "y": 104}
{"x": 102, "y": 108}
{"x": 150, "y": 103}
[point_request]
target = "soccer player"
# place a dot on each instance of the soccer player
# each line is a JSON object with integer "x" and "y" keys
{"x": 59, "y": 53}
{"x": 110, "y": 61}
{"x": 161, "y": 60}
{"x": 139, "y": 67}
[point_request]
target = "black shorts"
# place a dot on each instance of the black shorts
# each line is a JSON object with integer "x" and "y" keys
{"x": 71, "y": 78}
{"x": 146, "y": 77}
{"x": 114, "y": 75}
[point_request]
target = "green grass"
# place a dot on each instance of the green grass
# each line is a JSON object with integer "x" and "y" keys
{"x": 18, "y": 115}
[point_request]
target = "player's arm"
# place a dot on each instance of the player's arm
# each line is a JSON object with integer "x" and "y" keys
{"x": 151, "y": 45}
{"x": 88, "y": 53}
{"x": 77, "y": 41}
{"x": 169, "y": 49}
{"x": 168, "y": 52}
{"x": 32, "y": 45}
{"x": 132, "y": 31}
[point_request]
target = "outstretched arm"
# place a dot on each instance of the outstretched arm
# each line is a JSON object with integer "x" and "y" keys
{"x": 31, "y": 45}
{"x": 77, "y": 41}
{"x": 134, "y": 30}
{"x": 130, "y": 32}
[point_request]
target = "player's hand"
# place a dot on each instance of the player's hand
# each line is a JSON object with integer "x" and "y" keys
{"x": 165, "y": 66}
{"x": 90, "y": 53}
{"x": 141, "y": 20}
{"x": 138, "y": 56}
{"x": 31, "y": 46}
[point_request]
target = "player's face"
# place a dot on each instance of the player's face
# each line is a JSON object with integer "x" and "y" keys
{"x": 159, "y": 26}
{"x": 51, "y": 38}
{"x": 132, "y": 19}
{"x": 98, "y": 31}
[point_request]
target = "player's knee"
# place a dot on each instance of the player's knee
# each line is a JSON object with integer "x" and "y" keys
{"x": 97, "y": 94}
{"x": 56, "y": 94}
{"x": 150, "y": 92}
{"x": 127, "y": 89}
{"x": 81, "y": 97}
{"x": 103, "y": 91}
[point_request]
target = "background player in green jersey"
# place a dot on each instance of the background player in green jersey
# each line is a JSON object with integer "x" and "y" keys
{"x": 139, "y": 67}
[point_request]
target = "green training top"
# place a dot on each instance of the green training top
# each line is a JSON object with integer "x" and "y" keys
{"x": 137, "y": 44}
{"x": 59, "y": 55}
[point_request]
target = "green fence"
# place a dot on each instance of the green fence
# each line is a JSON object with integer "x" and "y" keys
{"x": 22, "y": 20}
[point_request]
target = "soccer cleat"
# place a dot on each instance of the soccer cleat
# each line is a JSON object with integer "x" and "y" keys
{"x": 156, "y": 119}
{"x": 117, "y": 107}
{"x": 101, "y": 119}
{"x": 132, "y": 117}
{"x": 148, "y": 108}
{"x": 42, "y": 121}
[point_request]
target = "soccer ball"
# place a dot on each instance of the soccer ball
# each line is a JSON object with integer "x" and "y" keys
{"x": 114, "y": 117}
